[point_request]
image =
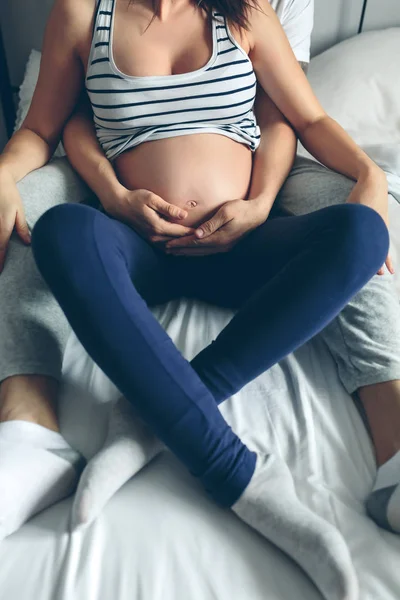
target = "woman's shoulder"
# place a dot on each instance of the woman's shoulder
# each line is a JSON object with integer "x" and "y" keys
{"x": 256, "y": 11}
{"x": 75, "y": 15}
{"x": 261, "y": 17}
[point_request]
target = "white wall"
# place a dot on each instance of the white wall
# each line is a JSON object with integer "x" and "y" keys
{"x": 22, "y": 26}
{"x": 335, "y": 20}
{"x": 381, "y": 14}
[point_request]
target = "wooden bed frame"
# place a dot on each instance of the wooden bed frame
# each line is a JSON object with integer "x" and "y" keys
{"x": 7, "y": 91}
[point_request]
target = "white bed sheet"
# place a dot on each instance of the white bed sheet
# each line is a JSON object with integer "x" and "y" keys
{"x": 160, "y": 537}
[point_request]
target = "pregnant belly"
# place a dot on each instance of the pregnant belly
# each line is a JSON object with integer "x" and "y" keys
{"x": 196, "y": 172}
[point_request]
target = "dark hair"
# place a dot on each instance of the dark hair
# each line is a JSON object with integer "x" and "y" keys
{"x": 235, "y": 11}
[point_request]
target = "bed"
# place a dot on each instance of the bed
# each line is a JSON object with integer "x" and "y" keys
{"x": 160, "y": 537}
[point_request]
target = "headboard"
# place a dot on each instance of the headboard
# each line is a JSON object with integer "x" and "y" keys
{"x": 22, "y": 23}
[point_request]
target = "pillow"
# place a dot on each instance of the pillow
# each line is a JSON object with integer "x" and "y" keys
{"x": 26, "y": 92}
{"x": 358, "y": 84}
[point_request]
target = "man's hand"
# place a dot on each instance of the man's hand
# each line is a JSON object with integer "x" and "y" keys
{"x": 232, "y": 221}
{"x": 12, "y": 215}
{"x": 150, "y": 216}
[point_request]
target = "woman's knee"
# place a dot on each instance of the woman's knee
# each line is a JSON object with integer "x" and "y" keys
{"x": 361, "y": 234}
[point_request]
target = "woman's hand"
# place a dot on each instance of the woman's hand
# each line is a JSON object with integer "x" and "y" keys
{"x": 232, "y": 221}
{"x": 372, "y": 190}
{"x": 150, "y": 216}
{"x": 12, "y": 215}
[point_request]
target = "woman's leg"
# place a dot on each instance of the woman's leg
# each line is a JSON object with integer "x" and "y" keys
{"x": 88, "y": 261}
{"x": 290, "y": 277}
{"x": 104, "y": 275}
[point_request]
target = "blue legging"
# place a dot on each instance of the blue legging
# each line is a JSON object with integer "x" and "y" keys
{"x": 286, "y": 280}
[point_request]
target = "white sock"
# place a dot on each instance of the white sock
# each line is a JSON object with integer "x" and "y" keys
{"x": 37, "y": 469}
{"x": 130, "y": 445}
{"x": 383, "y": 505}
{"x": 270, "y": 505}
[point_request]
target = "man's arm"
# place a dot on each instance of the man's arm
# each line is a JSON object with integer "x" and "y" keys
{"x": 151, "y": 216}
{"x": 88, "y": 159}
{"x": 275, "y": 155}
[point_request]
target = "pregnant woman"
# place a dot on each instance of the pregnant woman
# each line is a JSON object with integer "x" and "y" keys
{"x": 172, "y": 89}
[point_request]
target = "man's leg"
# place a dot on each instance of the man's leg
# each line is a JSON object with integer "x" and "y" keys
{"x": 364, "y": 338}
{"x": 33, "y": 329}
{"x": 35, "y": 461}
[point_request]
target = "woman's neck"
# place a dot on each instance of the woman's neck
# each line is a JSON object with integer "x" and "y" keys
{"x": 164, "y": 9}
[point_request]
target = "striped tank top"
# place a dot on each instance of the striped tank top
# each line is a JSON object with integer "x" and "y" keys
{"x": 129, "y": 110}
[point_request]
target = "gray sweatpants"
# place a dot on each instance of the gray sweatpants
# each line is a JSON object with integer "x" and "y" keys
{"x": 364, "y": 339}
{"x": 33, "y": 328}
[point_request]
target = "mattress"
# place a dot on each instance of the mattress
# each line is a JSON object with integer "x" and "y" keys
{"x": 161, "y": 537}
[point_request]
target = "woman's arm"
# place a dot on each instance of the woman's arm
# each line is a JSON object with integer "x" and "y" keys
{"x": 59, "y": 84}
{"x": 151, "y": 216}
{"x": 274, "y": 156}
{"x": 273, "y": 159}
{"x": 87, "y": 157}
{"x": 283, "y": 80}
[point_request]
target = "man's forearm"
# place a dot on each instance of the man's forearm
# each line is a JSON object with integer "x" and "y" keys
{"x": 88, "y": 159}
{"x": 275, "y": 155}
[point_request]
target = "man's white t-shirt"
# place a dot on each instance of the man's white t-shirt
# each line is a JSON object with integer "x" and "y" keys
{"x": 297, "y": 19}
